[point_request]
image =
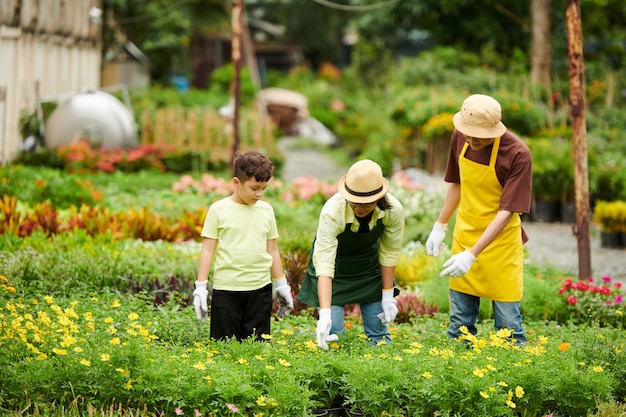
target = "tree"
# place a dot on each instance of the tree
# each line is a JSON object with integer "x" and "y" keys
{"x": 541, "y": 48}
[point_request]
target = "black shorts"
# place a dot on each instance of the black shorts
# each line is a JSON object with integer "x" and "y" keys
{"x": 241, "y": 314}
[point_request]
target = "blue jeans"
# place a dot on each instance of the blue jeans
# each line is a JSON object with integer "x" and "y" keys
{"x": 375, "y": 330}
{"x": 464, "y": 312}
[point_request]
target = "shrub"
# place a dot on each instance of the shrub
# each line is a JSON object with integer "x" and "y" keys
{"x": 603, "y": 304}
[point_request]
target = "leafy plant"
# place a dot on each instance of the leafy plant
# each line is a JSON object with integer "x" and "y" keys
{"x": 611, "y": 216}
{"x": 602, "y": 304}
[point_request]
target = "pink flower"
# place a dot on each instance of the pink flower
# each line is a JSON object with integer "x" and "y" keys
{"x": 198, "y": 413}
{"x": 618, "y": 299}
{"x": 232, "y": 407}
{"x": 179, "y": 412}
{"x": 606, "y": 279}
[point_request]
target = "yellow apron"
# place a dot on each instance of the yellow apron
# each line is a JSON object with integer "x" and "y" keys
{"x": 497, "y": 273}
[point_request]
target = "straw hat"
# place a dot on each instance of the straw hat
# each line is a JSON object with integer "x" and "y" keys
{"x": 364, "y": 183}
{"x": 480, "y": 117}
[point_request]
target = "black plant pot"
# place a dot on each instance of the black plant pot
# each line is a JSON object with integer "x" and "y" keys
{"x": 610, "y": 239}
{"x": 544, "y": 211}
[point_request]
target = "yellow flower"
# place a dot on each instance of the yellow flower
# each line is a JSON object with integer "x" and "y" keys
{"x": 261, "y": 401}
{"x": 510, "y": 403}
{"x": 259, "y": 357}
{"x": 479, "y": 372}
{"x": 108, "y": 320}
{"x": 266, "y": 336}
{"x": 116, "y": 304}
{"x": 503, "y": 384}
{"x": 519, "y": 392}
{"x": 85, "y": 362}
{"x": 200, "y": 366}
{"x": 49, "y": 299}
{"x": 484, "y": 394}
{"x": 115, "y": 341}
{"x": 59, "y": 351}
{"x": 427, "y": 375}
{"x": 105, "y": 357}
{"x": 242, "y": 361}
{"x": 133, "y": 316}
{"x": 597, "y": 369}
{"x": 284, "y": 362}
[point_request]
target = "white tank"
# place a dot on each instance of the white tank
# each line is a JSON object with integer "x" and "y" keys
{"x": 95, "y": 117}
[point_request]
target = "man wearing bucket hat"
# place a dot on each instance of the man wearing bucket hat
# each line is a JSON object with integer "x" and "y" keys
{"x": 354, "y": 254}
{"x": 490, "y": 174}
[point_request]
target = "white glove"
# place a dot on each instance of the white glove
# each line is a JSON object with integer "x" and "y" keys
{"x": 435, "y": 239}
{"x": 283, "y": 293}
{"x": 323, "y": 329}
{"x": 459, "y": 264}
{"x": 390, "y": 308}
{"x": 200, "y": 295}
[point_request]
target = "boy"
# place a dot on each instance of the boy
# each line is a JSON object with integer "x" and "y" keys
{"x": 244, "y": 228}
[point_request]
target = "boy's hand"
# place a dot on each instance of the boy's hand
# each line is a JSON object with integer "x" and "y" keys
{"x": 200, "y": 295}
{"x": 283, "y": 293}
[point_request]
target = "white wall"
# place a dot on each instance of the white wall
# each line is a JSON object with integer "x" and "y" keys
{"x": 49, "y": 50}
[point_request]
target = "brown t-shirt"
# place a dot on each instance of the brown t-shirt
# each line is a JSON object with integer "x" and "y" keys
{"x": 513, "y": 168}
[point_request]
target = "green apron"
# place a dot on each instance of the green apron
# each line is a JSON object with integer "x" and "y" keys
{"x": 357, "y": 270}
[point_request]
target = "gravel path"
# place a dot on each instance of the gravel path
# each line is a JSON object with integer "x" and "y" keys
{"x": 550, "y": 244}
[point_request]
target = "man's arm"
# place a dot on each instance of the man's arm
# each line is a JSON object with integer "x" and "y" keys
{"x": 492, "y": 231}
{"x": 450, "y": 203}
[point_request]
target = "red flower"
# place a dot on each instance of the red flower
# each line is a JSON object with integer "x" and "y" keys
{"x": 572, "y": 300}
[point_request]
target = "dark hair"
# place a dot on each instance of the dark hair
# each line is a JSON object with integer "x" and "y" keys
{"x": 252, "y": 164}
{"x": 383, "y": 203}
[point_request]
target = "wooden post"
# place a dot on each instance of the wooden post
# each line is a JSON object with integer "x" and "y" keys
{"x": 579, "y": 135}
{"x": 236, "y": 57}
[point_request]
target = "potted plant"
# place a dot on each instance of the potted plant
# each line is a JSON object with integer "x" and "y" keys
{"x": 611, "y": 217}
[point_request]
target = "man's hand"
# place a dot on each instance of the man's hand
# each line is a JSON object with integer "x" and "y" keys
{"x": 323, "y": 329}
{"x": 200, "y": 295}
{"x": 283, "y": 293}
{"x": 435, "y": 239}
{"x": 459, "y": 264}
{"x": 390, "y": 308}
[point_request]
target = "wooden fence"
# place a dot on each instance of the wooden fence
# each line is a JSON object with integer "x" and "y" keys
{"x": 190, "y": 130}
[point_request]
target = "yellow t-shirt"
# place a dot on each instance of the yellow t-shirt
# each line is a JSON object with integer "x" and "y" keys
{"x": 242, "y": 262}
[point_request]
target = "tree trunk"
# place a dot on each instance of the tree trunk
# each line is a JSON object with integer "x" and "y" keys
{"x": 541, "y": 48}
{"x": 579, "y": 135}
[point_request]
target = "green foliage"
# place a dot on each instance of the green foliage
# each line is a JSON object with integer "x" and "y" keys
{"x": 35, "y": 185}
{"x": 102, "y": 346}
{"x": 553, "y": 168}
{"x": 91, "y": 316}
{"x": 221, "y": 84}
{"x": 29, "y": 124}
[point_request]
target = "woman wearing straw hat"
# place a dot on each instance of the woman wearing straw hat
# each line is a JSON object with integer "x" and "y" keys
{"x": 490, "y": 175}
{"x": 356, "y": 247}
